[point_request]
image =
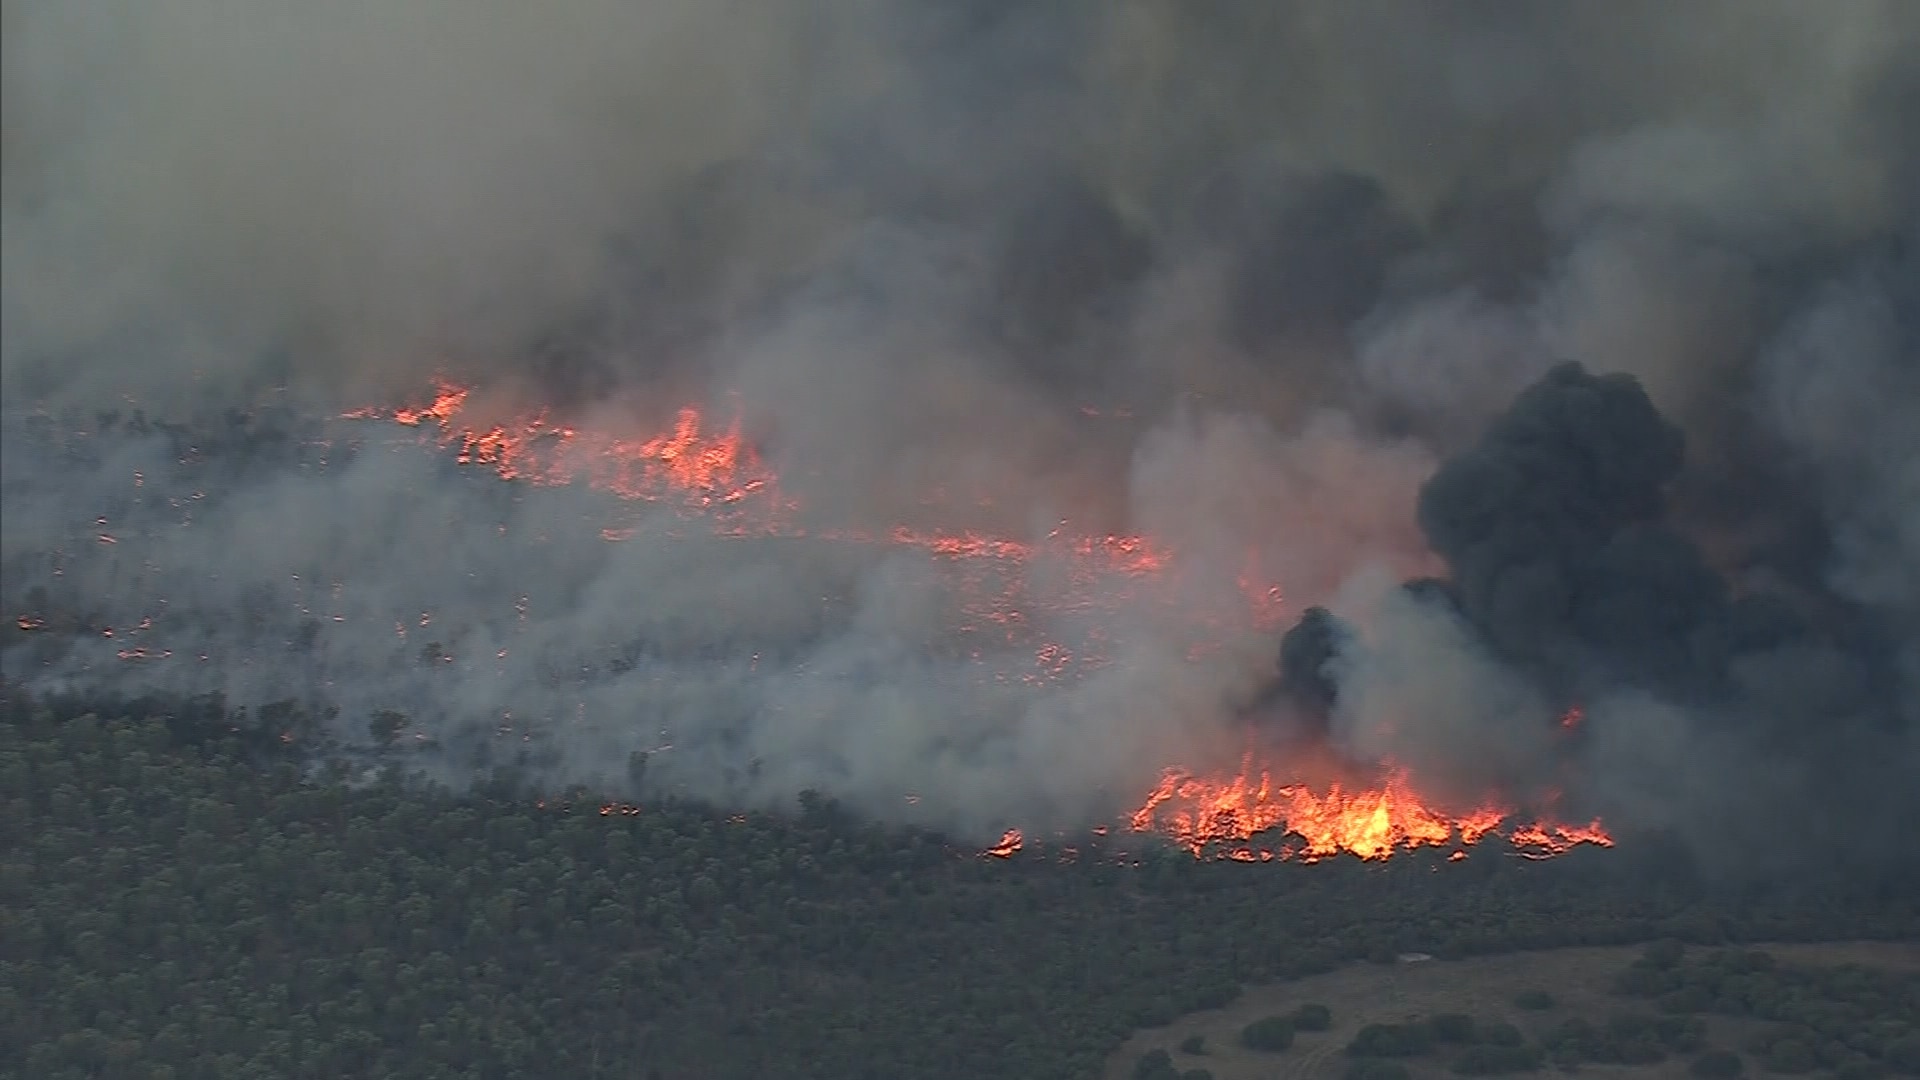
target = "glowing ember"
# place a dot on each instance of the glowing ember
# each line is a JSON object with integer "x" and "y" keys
{"x": 1202, "y": 813}
{"x": 1010, "y": 842}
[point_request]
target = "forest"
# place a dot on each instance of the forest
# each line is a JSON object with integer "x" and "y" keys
{"x": 189, "y": 891}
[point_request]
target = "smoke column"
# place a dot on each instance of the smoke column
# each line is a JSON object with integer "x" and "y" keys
{"x": 1316, "y": 272}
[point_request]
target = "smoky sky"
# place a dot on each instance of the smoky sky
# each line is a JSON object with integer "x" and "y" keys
{"x": 1304, "y": 267}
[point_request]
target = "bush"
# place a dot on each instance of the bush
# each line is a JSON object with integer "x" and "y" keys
{"x": 1626, "y": 1025}
{"x": 1390, "y": 1040}
{"x": 1717, "y": 1065}
{"x": 1662, "y": 955}
{"x": 1639, "y": 1051}
{"x": 1156, "y": 1012}
{"x": 1533, "y": 1000}
{"x": 1270, "y": 1033}
{"x": 1687, "y": 999}
{"x": 1904, "y": 1055}
{"x": 1155, "y": 1065}
{"x": 1217, "y": 996}
{"x": 1374, "y": 1069}
{"x": 1312, "y": 1017}
{"x": 1790, "y": 1056}
{"x": 1683, "y": 1034}
{"x": 1193, "y": 1044}
{"x": 1643, "y": 981}
{"x": 1573, "y": 1030}
{"x": 1501, "y": 1034}
{"x": 1498, "y": 1060}
{"x": 1451, "y": 1028}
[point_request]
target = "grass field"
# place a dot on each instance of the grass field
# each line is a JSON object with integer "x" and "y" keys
{"x": 1485, "y": 987}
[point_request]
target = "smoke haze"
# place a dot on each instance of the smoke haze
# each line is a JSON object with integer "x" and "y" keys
{"x": 1315, "y": 270}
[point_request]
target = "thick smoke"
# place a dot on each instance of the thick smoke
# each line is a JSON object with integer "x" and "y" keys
{"x": 1567, "y": 589}
{"x": 1316, "y": 272}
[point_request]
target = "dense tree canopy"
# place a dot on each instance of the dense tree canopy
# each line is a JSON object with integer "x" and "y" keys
{"x": 183, "y": 895}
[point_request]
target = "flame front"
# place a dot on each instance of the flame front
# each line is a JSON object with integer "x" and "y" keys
{"x": 1224, "y": 813}
{"x": 692, "y": 463}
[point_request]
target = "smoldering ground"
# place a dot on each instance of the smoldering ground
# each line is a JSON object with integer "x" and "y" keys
{"x": 1309, "y": 254}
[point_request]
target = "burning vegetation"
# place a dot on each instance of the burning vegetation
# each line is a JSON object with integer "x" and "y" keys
{"x": 1272, "y": 806}
{"x": 1261, "y": 812}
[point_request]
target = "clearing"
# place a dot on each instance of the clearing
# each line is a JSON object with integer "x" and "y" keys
{"x": 1484, "y": 987}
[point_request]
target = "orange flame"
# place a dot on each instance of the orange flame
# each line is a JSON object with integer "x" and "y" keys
{"x": 1010, "y": 842}
{"x": 1200, "y": 813}
{"x": 700, "y": 466}
{"x": 1543, "y": 839}
{"x": 717, "y": 471}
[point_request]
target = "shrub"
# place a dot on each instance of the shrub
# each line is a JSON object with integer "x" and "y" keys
{"x": 1574, "y": 1029}
{"x": 1498, "y": 1060}
{"x": 1269, "y": 1033}
{"x": 1662, "y": 955}
{"x": 1501, "y": 1034}
{"x": 1688, "y": 999}
{"x": 1717, "y": 1065}
{"x": 1790, "y": 1056}
{"x": 1375, "y": 1069}
{"x": 1156, "y": 1012}
{"x": 1533, "y": 1000}
{"x": 1155, "y": 1065}
{"x": 1639, "y": 1051}
{"x": 1312, "y": 1017}
{"x": 1683, "y": 1034}
{"x": 1390, "y": 1040}
{"x": 1904, "y": 1054}
{"x": 1193, "y": 1044}
{"x": 1451, "y": 1028}
{"x": 1217, "y": 996}
{"x": 1642, "y": 981}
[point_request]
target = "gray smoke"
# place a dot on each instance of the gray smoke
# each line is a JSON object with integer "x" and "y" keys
{"x": 1294, "y": 260}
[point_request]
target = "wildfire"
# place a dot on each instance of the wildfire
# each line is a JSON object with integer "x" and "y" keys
{"x": 1224, "y": 813}
{"x": 1542, "y": 840}
{"x": 693, "y": 463}
{"x": 714, "y": 471}
{"x": 706, "y": 469}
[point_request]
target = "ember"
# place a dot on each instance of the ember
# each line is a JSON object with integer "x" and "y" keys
{"x": 1010, "y": 842}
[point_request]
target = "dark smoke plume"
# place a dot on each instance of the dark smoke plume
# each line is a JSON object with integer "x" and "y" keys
{"x": 1284, "y": 287}
{"x": 1564, "y": 572}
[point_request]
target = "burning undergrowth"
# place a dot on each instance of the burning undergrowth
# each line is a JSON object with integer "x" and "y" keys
{"x": 1008, "y": 628}
{"x": 958, "y": 409}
